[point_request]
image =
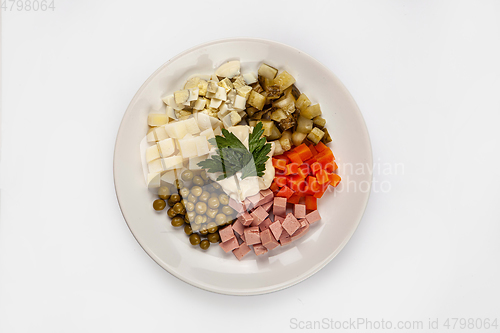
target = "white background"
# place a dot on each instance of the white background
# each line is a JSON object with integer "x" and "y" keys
{"x": 426, "y": 76}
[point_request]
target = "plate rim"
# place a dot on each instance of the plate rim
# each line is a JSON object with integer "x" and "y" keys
{"x": 299, "y": 278}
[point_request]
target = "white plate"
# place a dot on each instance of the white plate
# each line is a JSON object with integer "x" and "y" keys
{"x": 283, "y": 267}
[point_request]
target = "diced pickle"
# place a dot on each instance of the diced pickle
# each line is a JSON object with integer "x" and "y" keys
{"x": 302, "y": 102}
{"x": 304, "y": 125}
{"x": 284, "y": 80}
{"x": 278, "y": 115}
{"x": 275, "y": 133}
{"x": 267, "y": 71}
{"x": 256, "y": 100}
{"x": 315, "y": 135}
{"x": 298, "y": 138}
{"x": 312, "y": 111}
{"x": 319, "y": 122}
{"x": 286, "y": 140}
{"x": 326, "y": 138}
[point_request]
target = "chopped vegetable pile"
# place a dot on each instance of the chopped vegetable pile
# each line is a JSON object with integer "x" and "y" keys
{"x": 240, "y": 159}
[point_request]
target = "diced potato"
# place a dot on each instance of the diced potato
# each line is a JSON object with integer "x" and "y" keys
{"x": 326, "y": 138}
{"x": 278, "y": 115}
{"x": 155, "y": 166}
{"x": 176, "y": 130}
{"x": 152, "y": 153}
{"x": 188, "y": 147}
{"x": 167, "y": 147}
{"x": 287, "y": 123}
{"x": 201, "y": 145}
{"x": 173, "y": 162}
{"x": 181, "y": 96}
{"x": 238, "y": 82}
{"x": 250, "y": 78}
{"x": 192, "y": 83}
{"x": 267, "y": 126}
{"x": 298, "y": 138}
{"x": 231, "y": 96}
{"x": 244, "y": 91}
{"x": 235, "y": 117}
{"x": 193, "y": 94}
{"x": 215, "y": 103}
{"x": 200, "y": 104}
{"x": 226, "y": 84}
{"x": 226, "y": 120}
{"x": 221, "y": 93}
{"x": 315, "y": 135}
{"x": 304, "y": 125}
{"x": 302, "y": 102}
{"x": 157, "y": 119}
{"x": 160, "y": 133}
{"x": 239, "y": 103}
{"x": 278, "y": 150}
{"x": 257, "y": 88}
{"x": 210, "y": 95}
{"x": 151, "y": 136}
{"x": 286, "y": 140}
{"x": 203, "y": 85}
{"x": 284, "y": 80}
{"x": 267, "y": 71}
{"x": 170, "y": 111}
{"x": 286, "y": 103}
{"x": 251, "y": 111}
{"x": 208, "y": 133}
{"x": 311, "y": 111}
{"x": 275, "y": 133}
{"x": 154, "y": 180}
{"x": 256, "y": 100}
{"x": 217, "y": 131}
{"x": 192, "y": 126}
{"x": 212, "y": 87}
{"x": 319, "y": 122}
{"x": 252, "y": 123}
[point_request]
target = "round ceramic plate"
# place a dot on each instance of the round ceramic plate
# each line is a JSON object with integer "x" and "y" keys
{"x": 341, "y": 209}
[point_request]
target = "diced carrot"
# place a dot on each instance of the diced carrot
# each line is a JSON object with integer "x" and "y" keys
{"x": 320, "y": 147}
{"x": 315, "y": 168}
{"x": 303, "y": 151}
{"x": 322, "y": 190}
{"x": 285, "y": 192}
{"x": 325, "y": 159}
{"x": 297, "y": 183}
{"x": 314, "y": 186}
{"x": 310, "y": 162}
{"x": 327, "y": 153}
{"x": 313, "y": 150}
{"x": 280, "y": 181}
{"x": 303, "y": 170}
{"x": 274, "y": 187}
{"x": 279, "y": 164}
{"x": 294, "y": 199}
{"x": 334, "y": 179}
{"x": 331, "y": 167}
{"x": 311, "y": 203}
{"x": 281, "y": 157}
{"x": 322, "y": 177}
{"x": 294, "y": 157}
{"x": 291, "y": 169}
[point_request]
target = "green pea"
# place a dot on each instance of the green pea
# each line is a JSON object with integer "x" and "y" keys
{"x": 216, "y": 186}
{"x": 164, "y": 192}
{"x": 223, "y": 199}
{"x": 178, "y": 207}
{"x": 220, "y": 219}
{"x": 194, "y": 239}
{"x": 204, "y": 244}
{"x": 204, "y": 230}
{"x": 159, "y": 204}
{"x": 213, "y": 203}
{"x": 196, "y": 191}
{"x": 189, "y": 206}
{"x": 214, "y": 237}
{"x": 198, "y": 219}
{"x": 198, "y": 181}
{"x": 191, "y": 198}
{"x": 214, "y": 195}
{"x": 191, "y": 216}
{"x": 175, "y": 198}
{"x": 227, "y": 210}
{"x": 184, "y": 192}
{"x": 187, "y": 175}
{"x": 171, "y": 213}
{"x": 204, "y": 196}
{"x": 212, "y": 227}
{"x": 177, "y": 221}
{"x": 204, "y": 175}
{"x": 200, "y": 208}
{"x": 188, "y": 230}
{"x": 178, "y": 184}
{"x": 195, "y": 227}
{"x": 212, "y": 213}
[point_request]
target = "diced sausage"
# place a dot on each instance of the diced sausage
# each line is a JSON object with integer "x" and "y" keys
{"x": 238, "y": 227}
{"x": 276, "y": 229}
{"x": 259, "y": 249}
{"x": 267, "y": 206}
{"x": 279, "y": 206}
{"x": 229, "y": 245}
{"x": 313, "y": 217}
{"x": 267, "y": 196}
{"x": 241, "y": 251}
{"x": 259, "y": 215}
{"x": 285, "y": 238}
{"x": 290, "y": 224}
{"x": 265, "y": 224}
{"x": 252, "y": 235}
{"x": 268, "y": 239}
{"x": 226, "y": 233}
{"x": 299, "y": 210}
{"x": 245, "y": 219}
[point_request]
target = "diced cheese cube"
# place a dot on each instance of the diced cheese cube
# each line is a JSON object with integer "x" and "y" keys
{"x": 173, "y": 162}
{"x": 212, "y": 87}
{"x": 215, "y": 103}
{"x": 226, "y": 84}
{"x": 235, "y": 118}
{"x": 151, "y": 136}
{"x": 244, "y": 91}
{"x": 188, "y": 147}
{"x": 223, "y": 108}
{"x": 157, "y": 119}
{"x": 217, "y": 131}
{"x": 239, "y": 103}
{"x": 193, "y": 94}
{"x": 181, "y": 96}
{"x": 167, "y": 147}
{"x": 176, "y": 129}
{"x": 231, "y": 96}
{"x": 153, "y": 180}
{"x": 193, "y": 162}
{"x": 202, "y": 85}
{"x": 170, "y": 112}
{"x": 250, "y": 78}
{"x": 170, "y": 101}
{"x": 200, "y": 104}
{"x": 201, "y": 145}
{"x": 239, "y": 82}
{"x": 155, "y": 166}
{"x": 221, "y": 94}
{"x": 226, "y": 121}
{"x": 192, "y": 126}
{"x": 169, "y": 177}
{"x": 214, "y": 78}
{"x": 152, "y": 153}
{"x": 160, "y": 133}
{"x": 208, "y": 133}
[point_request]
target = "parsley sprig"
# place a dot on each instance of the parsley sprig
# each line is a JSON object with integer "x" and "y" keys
{"x": 232, "y": 156}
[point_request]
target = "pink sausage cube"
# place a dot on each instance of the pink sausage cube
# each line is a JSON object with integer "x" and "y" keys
{"x": 267, "y": 207}
{"x": 265, "y": 224}
{"x": 259, "y": 215}
{"x": 279, "y": 218}
{"x": 238, "y": 227}
{"x": 255, "y": 199}
{"x": 236, "y": 205}
{"x": 246, "y": 219}
{"x": 313, "y": 217}
{"x": 242, "y": 251}
{"x": 301, "y": 232}
{"x": 279, "y": 206}
{"x": 252, "y": 235}
{"x": 267, "y": 196}
{"x": 299, "y": 210}
{"x": 242, "y": 237}
{"x": 276, "y": 229}
{"x": 229, "y": 245}
{"x": 226, "y": 233}
{"x": 285, "y": 238}
{"x": 259, "y": 249}
{"x": 303, "y": 223}
{"x": 268, "y": 240}
{"x": 290, "y": 224}
{"x": 248, "y": 205}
